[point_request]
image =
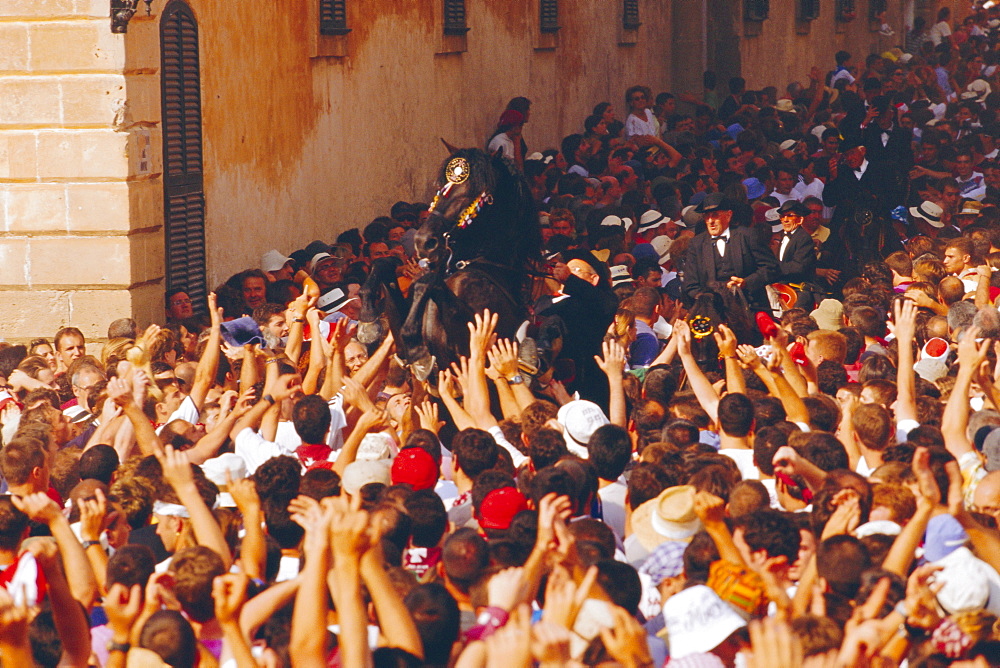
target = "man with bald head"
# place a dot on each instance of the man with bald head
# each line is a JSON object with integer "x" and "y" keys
{"x": 986, "y": 497}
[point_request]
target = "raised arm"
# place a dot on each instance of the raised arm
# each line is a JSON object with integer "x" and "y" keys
{"x": 612, "y": 363}
{"x": 905, "y": 318}
{"x": 342, "y": 333}
{"x": 317, "y": 358}
{"x": 394, "y": 618}
{"x": 204, "y": 375}
{"x": 177, "y": 472}
{"x": 120, "y": 390}
{"x": 700, "y": 385}
{"x": 712, "y": 511}
{"x": 40, "y": 508}
{"x": 477, "y": 395}
{"x": 253, "y": 548}
{"x": 229, "y": 593}
{"x": 955, "y": 420}
{"x": 310, "y": 601}
{"x": 727, "y": 343}
{"x": 503, "y": 370}
{"x": 69, "y": 618}
{"x": 350, "y": 536}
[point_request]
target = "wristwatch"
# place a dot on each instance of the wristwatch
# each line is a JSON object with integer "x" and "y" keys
{"x": 123, "y": 647}
{"x": 87, "y": 544}
{"x": 515, "y": 380}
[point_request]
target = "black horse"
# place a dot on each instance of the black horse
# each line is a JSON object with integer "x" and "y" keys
{"x": 480, "y": 246}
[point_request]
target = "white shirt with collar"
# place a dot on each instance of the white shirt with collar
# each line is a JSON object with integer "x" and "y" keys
{"x": 720, "y": 244}
{"x": 860, "y": 171}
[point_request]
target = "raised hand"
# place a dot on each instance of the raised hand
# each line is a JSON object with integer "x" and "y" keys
{"x": 229, "y": 592}
{"x": 970, "y": 352}
{"x": 92, "y": 515}
{"x": 709, "y": 508}
{"x": 38, "y": 507}
{"x": 612, "y": 359}
{"x": 904, "y": 314}
{"x": 748, "y": 356}
{"x": 122, "y": 606}
{"x": 726, "y": 340}
{"x": 503, "y": 359}
{"x": 349, "y": 529}
{"x": 243, "y": 491}
{"x": 481, "y": 332}
{"x": 427, "y": 411}
{"x": 176, "y": 467}
{"x": 563, "y": 598}
{"x": 625, "y": 639}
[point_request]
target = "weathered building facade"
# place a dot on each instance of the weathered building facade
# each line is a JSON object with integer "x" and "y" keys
{"x": 177, "y": 152}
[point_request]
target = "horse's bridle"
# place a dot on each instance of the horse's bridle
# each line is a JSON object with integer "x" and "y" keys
{"x": 457, "y": 172}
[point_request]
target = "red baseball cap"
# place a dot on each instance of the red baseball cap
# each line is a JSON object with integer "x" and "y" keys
{"x": 499, "y": 508}
{"x": 416, "y": 467}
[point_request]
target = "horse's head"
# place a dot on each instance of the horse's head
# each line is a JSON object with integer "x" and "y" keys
{"x": 466, "y": 184}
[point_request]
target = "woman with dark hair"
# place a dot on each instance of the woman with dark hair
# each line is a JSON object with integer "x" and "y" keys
{"x": 522, "y": 106}
{"x": 641, "y": 127}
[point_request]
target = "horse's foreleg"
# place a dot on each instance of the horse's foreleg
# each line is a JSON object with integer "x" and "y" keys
{"x": 411, "y": 346}
{"x": 370, "y": 329}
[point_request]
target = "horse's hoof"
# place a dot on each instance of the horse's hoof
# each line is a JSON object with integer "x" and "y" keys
{"x": 423, "y": 367}
{"x": 369, "y": 332}
{"x": 527, "y": 356}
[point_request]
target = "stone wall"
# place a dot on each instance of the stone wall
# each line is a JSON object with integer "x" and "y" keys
{"x": 71, "y": 251}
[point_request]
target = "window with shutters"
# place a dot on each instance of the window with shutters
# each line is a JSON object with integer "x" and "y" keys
{"x": 454, "y": 17}
{"x": 333, "y": 17}
{"x": 630, "y": 15}
{"x": 808, "y": 10}
{"x": 549, "y": 15}
{"x": 183, "y": 189}
{"x": 756, "y": 10}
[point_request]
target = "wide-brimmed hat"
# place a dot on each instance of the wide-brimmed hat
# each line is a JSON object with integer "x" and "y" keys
{"x": 715, "y": 202}
{"x": 670, "y": 516}
{"x": 785, "y": 105}
{"x": 928, "y": 211}
{"x": 272, "y": 260}
{"x": 651, "y": 219}
{"x": 333, "y": 300}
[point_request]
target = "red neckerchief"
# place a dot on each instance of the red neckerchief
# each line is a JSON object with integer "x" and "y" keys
{"x": 314, "y": 455}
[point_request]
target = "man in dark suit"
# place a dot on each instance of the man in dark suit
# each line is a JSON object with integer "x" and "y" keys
{"x": 864, "y": 192}
{"x": 885, "y": 140}
{"x": 796, "y": 252}
{"x": 727, "y": 257}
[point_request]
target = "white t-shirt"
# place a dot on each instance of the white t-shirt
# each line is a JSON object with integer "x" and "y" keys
{"x": 744, "y": 461}
{"x": 613, "y": 506}
{"x": 939, "y": 31}
{"x": 502, "y": 141}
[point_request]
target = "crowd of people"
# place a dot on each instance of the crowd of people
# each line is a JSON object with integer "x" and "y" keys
{"x": 771, "y": 438}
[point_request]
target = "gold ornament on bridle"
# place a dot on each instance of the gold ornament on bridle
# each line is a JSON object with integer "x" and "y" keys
{"x": 701, "y": 326}
{"x": 457, "y": 172}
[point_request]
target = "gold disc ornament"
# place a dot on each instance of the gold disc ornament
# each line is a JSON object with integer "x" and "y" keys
{"x": 457, "y": 171}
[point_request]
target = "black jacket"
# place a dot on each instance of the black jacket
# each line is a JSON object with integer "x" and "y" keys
{"x": 799, "y": 263}
{"x": 752, "y": 261}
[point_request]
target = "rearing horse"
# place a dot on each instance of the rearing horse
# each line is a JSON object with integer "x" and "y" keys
{"x": 480, "y": 245}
